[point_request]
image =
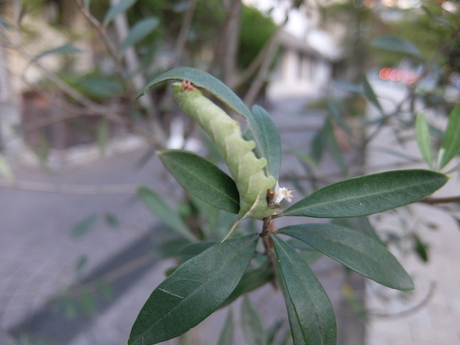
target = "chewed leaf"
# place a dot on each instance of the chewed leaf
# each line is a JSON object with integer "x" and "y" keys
{"x": 213, "y": 85}
{"x": 246, "y": 169}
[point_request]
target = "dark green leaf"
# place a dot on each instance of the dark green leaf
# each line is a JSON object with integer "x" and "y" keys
{"x": 333, "y": 146}
{"x": 165, "y": 213}
{"x": 65, "y": 49}
{"x": 333, "y": 107}
{"x": 361, "y": 196}
{"x": 355, "y": 250}
{"x": 310, "y": 312}
{"x": 421, "y": 248}
{"x": 226, "y": 336}
{"x": 115, "y": 10}
{"x": 193, "y": 292}
{"x": 364, "y": 225}
{"x": 423, "y": 138}
{"x": 370, "y": 94}
{"x": 253, "y": 279}
{"x": 317, "y": 146}
{"x": 253, "y": 328}
{"x": 451, "y": 137}
{"x": 213, "y": 85}
{"x": 81, "y": 263}
{"x": 112, "y": 220}
{"x": 84, "y": 226}
{"x": 101, "y": 86}
{"x": 396, "y": 44}
{"x": 203, "y": 179}
{"x": 269, "y": 138}
{"x": 139, "y": 31}
{"x": 193, "y": 249}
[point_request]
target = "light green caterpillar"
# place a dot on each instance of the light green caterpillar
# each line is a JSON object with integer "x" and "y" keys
{"x": 245, "y": 168}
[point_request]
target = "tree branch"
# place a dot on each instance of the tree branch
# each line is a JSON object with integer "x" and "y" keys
{"x": 446, "y": 200}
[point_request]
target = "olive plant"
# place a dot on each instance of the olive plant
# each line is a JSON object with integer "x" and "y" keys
{"x": 219, "y": 272}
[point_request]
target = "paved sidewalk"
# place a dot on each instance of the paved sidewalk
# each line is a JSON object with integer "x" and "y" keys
{"x": 436, "y": 320}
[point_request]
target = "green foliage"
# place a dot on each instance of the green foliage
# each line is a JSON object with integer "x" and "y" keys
{"x": 361, "y": 196}
{"x": 451, "y": 145}
{"x": 202, "y": 178}
{"x": 164, "y": 212}
{"x": 255, "y": 31}
{"x": 194, "y": 291}
{"x": 355, "y": 250}
{"x": 423, "y": 138}
{"x": 310, "y": 313}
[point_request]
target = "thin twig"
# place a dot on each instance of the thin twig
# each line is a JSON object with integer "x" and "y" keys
{"x": 130, "y": 91}
{"x": 184, "y": 31}
{"x": 266, "y": 240}
{"x": 446, "y": 200}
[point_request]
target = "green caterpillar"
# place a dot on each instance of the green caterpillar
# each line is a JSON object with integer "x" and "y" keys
{"x": 245, "y": 168}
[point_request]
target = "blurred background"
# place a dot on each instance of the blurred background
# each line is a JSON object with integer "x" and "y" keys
{"x": 80, "y": 251}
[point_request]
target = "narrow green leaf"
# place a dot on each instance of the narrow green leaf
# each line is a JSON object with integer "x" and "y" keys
{"x": 165, "y": 213}
{"x": 423, "y": 138}
{"x": 86, "y": 2}
{"x": 203, "y": 179}
{"x": 421, "y": 248}
{"x": 333, "y": 146}
{"x": 5, "y": 169}
{"x": 396, "y": 44}
{"x": 139, "y": 31}
{"x": 317, "y": 146}
{"x": 103, "y": 135}
{"x": 451, "y": 137}
{"x": 370, "y": 94}
{"x": 226, "y": 336}
{"x": 213, "y": 85}
{"x": 114, "y": 11}
{"x": 84, "y": 226}
{"x": 80, "y": 264}
{"x": 270, "y": 140}
{"x": 193, "y": 292}
{"x": 253, "y": 279}
{"x": 355, "y": 250}
{"x": 361, "y": 196}
{"x": 65, "y": 49}
{"x": 310, "y": 312}
{"x": 112, "y": 220}
{"x": 253, "y": 328}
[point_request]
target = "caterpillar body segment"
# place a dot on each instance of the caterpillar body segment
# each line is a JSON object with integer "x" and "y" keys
{"x": 245, "y": 168}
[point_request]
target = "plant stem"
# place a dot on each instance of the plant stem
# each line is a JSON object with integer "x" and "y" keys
{"x": 268, "y": 245}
